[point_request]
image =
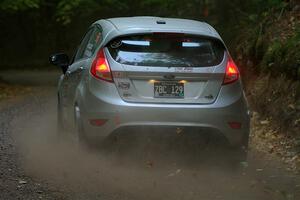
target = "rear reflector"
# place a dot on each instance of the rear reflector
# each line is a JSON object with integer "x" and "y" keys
{"x": 100, "y": 67}
{"x": 231, "y": 73}
{"x": 97, "y": 122}
{"x": 235, "y": 125}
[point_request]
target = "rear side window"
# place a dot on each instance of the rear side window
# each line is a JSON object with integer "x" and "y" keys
{"x": 93, "y": 43}
{"x": 167, "y": 50}
{"x": 89, "y": 44}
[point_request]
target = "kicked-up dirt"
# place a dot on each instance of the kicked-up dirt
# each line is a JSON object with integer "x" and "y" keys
{"x": 34, "y": 164}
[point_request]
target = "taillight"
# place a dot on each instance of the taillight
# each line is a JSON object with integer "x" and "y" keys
{"x": 100, "y": 67}
{"x": 235, "y": 125}
{"x": 231, "y": 73}
{"x": 98, "y": 122}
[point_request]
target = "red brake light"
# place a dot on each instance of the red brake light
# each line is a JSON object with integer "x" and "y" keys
{"x": 100, "y": 67}
{"x": 232, "y": 72}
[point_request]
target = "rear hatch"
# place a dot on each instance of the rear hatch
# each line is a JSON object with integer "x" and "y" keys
{"x": 167, "y": 68}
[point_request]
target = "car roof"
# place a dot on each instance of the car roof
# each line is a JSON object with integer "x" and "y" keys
{"x": 153, "y": 22}
{"x": 144, "y": 24}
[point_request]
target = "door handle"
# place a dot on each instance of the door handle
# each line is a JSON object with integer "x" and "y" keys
{"x": 79, "y": 69}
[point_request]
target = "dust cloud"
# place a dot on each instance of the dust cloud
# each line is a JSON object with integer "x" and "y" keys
{"x": 154, "y": 171}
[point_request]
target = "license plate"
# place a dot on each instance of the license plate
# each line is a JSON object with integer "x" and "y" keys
{"x": 168, "y": 90}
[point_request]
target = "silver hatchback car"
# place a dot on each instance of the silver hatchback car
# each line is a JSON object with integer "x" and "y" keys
{"x": 151, "y": 72}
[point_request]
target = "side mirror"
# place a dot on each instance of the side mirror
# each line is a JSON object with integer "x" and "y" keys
{"x": 61, "y": 60}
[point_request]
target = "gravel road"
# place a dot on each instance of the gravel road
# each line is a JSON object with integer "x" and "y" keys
{"x": 34, "y": 164}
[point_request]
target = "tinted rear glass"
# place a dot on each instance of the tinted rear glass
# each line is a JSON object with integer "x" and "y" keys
{"x": 167, "y": 50}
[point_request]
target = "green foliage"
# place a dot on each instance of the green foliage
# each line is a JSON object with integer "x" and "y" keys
{"x": 241, "y": 21}
{"x": 66, "y": 10}
{"x": 283, "y": 57}
{"x": 273, "y": 56}
{"x": 19, "y": 5}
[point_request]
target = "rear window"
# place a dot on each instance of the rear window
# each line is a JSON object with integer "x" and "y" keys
{"x": 167, "y": 50}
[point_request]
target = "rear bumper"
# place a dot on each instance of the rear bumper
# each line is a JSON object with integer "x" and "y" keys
{"x": 120, "y": 114}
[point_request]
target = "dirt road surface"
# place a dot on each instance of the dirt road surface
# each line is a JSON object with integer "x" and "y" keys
{"x": 34, "y": 164}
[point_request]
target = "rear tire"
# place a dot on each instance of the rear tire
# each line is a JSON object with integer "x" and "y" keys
{"x": 79, "y": 135}
{"x": 240, "y": 153}
{"x": 60, "y": 130}
{"x": 238, "y": 158}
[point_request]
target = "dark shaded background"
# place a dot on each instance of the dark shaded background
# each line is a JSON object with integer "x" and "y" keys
{"x": 33, "y": 29}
